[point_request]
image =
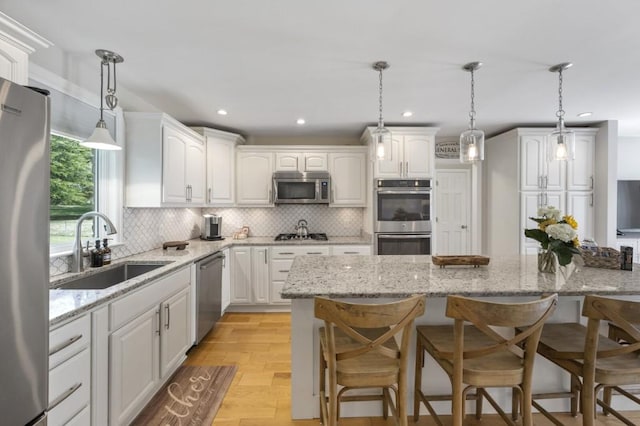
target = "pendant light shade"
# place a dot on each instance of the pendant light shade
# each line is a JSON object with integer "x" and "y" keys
{"x": 562, "y": 141}
{"x": 381, "y": 135}
{"x": 101, "y": 138}
{"x": 472, "y": 139}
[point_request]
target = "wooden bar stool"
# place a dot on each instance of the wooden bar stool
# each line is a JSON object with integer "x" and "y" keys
{"x": 601, "y": 362}
{"x": 358, "y": 350}
{"x": 478, "y": 356}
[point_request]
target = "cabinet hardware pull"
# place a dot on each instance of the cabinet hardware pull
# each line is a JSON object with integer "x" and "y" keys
{"x": 158, "y": 318}
{"x": 265, "y": 257}
{"x": 314, "y": 252}
{"x": 591, "y": 182}
{"x": 65, "y": 344}
{"x": 406, "y": 169}
{"x": 286, "y": 252}
{"x": 350, "y": 252}
{"x": 168, "y": 309}
{"x": 64, "y": 396}
{"x": 591, "y": 199}
{"x": 209, "y": 195}
{"x": 186, "y": 192}
{"x": 284, "y": 271}
{"x": 463, "y": 226}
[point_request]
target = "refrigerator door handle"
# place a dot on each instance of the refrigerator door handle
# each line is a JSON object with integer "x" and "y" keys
{"x": 65, "y": 344}
{"x": 66, "y": 394}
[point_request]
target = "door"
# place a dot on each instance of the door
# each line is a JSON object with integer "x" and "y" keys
{"x": 315, "y": 162}
{"x": 348, "y": 179}
{"x": 580, "y": 206}
{"x": 287, "y": 161}
{"x": 418, "y": 153}
{"x": 453, "y": 214}
{"x": 195, "y": 175}
{"x": 260, "y": 274}
{"x": 392, "y": 164}
{"x": 241, "y": 271}
{"x": 220, "y": 171}
{"x": 174, "y": 156}
{"x": 531, "y": 153}
{"x": 254, "y": 178}
{"x": 134, "y": 365}
{"x": 580, "y": 171}
{"x": 174, "y": 340}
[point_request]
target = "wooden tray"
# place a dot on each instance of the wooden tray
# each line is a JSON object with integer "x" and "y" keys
{"x": 471, "y": 260}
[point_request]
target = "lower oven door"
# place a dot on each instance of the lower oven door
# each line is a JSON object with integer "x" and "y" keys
{"x": 411, "y": 244}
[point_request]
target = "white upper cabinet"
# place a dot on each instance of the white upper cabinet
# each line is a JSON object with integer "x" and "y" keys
{"x": 165, "y": 162}
{"x": 536, "y": 173}
{"x": 301, "y": 161}
{"x": 410, "y": 154}
{"x": 348, "y": 172}
{"x": 221, "y": 166}
{"x": 17, "y": 42}
{"x": 580, "y": 172}
{"x": 254, "y": 177}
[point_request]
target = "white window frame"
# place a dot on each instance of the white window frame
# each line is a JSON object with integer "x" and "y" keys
{"x": 110, "y": 167}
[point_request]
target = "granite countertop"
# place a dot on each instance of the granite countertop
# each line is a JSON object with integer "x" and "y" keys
{"x": 402, "y": 276}
{"x": 65, "y": 304}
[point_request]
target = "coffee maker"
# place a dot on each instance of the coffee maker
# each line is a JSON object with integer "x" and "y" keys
{"x": 211, "y": 227}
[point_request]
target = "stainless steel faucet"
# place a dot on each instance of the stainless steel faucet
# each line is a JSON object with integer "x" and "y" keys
{"x": 77, "y": 264}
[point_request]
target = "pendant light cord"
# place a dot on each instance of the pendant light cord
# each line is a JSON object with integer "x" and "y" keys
{"x": 102, "y": 64}
{"x": 380, "y": 120}
{"x": 560, "y": 112}
{"x": 472, "y": 113}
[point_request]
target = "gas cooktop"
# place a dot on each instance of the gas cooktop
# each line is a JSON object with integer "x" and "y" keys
{"x": 296, "y": 237}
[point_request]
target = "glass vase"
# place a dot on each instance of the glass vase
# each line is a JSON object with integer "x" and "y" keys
{"x": 547, "y": 261}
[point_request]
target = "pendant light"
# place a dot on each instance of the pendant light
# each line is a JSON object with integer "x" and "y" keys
{"x": 472, "y": 139}
{"x": 561, "y": 142}
{"x": 100, "y": 138}
{"x": 381, "y": 135}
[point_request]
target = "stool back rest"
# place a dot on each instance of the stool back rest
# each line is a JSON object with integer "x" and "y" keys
{"x": 395, "y": 317}
{"x": 623, "y": 313}
{"x": 531, "y": 316}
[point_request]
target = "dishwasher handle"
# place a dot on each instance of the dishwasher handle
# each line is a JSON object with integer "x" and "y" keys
{"x": 214, "y": 258}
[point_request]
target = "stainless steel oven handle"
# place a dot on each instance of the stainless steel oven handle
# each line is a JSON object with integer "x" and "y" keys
{"x": 395, "y": 191}
{"x": 403, "y": 236}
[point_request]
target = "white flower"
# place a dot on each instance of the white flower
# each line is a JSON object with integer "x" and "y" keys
{"x": 549, "y": 212}
{"x": 561, "y": 231}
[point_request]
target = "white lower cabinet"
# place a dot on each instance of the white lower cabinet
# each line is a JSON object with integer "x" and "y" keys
{"x": 250, "y": 272}
{"x": 355, "y": 249}
{"x": 70, "y": 372}
{"x": 281, "y": 261}
{"x": 150, "y": 336}
{"x": 226, "y": 281}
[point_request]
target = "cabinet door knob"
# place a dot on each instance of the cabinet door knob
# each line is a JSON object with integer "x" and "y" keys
{"x": 463, "y": 226}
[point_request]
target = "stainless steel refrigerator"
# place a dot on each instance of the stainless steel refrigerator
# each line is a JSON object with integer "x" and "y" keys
{"x": 24, "y": 254}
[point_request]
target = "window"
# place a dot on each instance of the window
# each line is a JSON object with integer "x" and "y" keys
{"x": 72, "y": 190}
{"x": 82, "y": 179}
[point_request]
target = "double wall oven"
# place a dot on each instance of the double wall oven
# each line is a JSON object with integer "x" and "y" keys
{"x": 402, "y": 216}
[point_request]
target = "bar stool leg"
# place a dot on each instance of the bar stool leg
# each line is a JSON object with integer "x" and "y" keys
{"x": 575, "y": 390}
{"x": 418, "y": 379}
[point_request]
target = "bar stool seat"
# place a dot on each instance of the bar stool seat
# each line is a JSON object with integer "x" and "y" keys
{"x": 476, "y": 356}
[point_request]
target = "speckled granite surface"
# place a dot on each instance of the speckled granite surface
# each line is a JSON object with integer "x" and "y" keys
{"x": 65, "y": 304}
{"x": 401, "y": 276}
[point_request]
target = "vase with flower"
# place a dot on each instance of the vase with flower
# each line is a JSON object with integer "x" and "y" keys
{"x": 558, "y": 238}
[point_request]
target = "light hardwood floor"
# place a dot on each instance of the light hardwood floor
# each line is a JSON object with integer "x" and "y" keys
{"x": 260, "y": 395}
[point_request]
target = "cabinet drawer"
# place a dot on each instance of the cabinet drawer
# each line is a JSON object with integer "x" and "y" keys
{"x": 83, "y": 418}
{"x": 280, "y": 269}
{"x": 140, "y": 301}
{"x": 362, "y": 250}
{"x": 68, "y": 340}
{"x": 289, "y": 252}
{"x": 69, "y": 388}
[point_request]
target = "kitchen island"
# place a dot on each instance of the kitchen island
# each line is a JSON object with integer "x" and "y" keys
{"x": 377, "y": 279}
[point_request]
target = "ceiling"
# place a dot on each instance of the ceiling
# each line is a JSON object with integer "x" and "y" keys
{"x": 269, "y": 63}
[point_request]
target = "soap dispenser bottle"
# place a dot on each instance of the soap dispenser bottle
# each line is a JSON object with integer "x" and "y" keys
{"x": 96, "y": 255}
{"x": 106, "y": 252}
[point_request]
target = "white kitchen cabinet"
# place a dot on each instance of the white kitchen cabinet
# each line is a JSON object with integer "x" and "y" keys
{"x": 348, "y": 172}
{"x": 254, "y": 177}
{"x": 165, "y": 162}
{"x": 17, "y": 42}
{"x": 69, "y": 371}
{"x": 221, "y": 165}
{"x": 250, "y": 270}
{"x": 351, "y": 249}
{"x": 517, "y": 173}
{"x": 301, "y": 161}
{"x": 226, "y": 281}
{"x": 410, "y": 154}
{"x": 281, "y": 260}
{"x": 150, "y": 336}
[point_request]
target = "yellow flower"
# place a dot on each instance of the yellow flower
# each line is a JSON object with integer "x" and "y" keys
{"x": 543, "y": 225}
{"x": 571, "y": 221}
{"x": 576, "y": 241}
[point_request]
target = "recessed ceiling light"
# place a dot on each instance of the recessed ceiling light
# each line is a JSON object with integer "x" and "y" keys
{"x": 407, "y": 114}
{"x": 222, "y": 112}
{"x": 300, "y": 121}
{"x": 585, "y": 114}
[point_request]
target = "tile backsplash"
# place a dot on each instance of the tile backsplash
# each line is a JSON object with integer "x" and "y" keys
{"x": 147, "y": 229}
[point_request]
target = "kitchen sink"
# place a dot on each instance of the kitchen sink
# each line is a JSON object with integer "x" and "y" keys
{"x": 110, "y": 277}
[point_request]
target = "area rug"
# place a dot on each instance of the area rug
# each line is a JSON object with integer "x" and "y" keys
{"x": 191, "y": 397}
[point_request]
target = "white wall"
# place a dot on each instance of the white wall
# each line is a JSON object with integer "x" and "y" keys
{"x": 628, "y": 158}
{"x": 606, "y": 188}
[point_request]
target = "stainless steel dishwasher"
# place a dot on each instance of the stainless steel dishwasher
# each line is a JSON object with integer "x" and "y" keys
{"x": 208, "y": 293}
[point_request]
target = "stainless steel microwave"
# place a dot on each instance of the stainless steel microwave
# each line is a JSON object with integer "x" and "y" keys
{"x": 301, "y": 188}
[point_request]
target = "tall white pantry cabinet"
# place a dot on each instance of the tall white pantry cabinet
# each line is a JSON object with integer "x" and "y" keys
{"x": 518, "y": 179}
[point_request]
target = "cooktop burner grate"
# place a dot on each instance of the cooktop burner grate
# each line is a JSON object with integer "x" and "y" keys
{"x": 295, "y": 237}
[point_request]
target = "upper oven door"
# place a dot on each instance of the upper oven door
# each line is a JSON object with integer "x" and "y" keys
{"x": 402, "y": 210}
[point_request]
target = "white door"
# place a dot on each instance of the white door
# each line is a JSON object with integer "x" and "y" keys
{"x": 174, "y": 155}
{"x": 220, "y": 171}
{"x": 348, "y": 179}
{"x": 241, "y": 272}
{"x": 260, "y": 274}
{"x": 195, "y": 171}
{"x": 453, "y": 211}
{"x": 174, "y": 340}
{"x": 254, "y": 178}
{"x": 580, "y": 171}
{"x": 580, "y": 206}
{"x": 418, "y": 153}
{"x": 391, "y": 165}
